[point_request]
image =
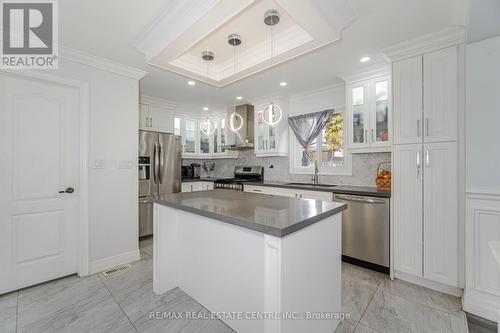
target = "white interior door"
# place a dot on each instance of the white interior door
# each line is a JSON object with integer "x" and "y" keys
{"x": 39, "y": 145}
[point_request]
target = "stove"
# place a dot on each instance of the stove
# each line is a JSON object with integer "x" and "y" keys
{"x": 242, "y": 174}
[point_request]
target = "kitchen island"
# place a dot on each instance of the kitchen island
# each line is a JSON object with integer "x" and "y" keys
{"x": 260, "y": 263}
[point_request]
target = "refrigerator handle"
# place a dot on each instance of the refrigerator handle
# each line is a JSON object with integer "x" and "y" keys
{"x": 161, "y": 163}
{"x": 155, "y": 164}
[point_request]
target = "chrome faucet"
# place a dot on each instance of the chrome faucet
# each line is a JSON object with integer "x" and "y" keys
{"x": 316, "y": 172}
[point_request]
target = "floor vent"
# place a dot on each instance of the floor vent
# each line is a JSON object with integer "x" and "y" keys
{"x": 116, "y": 269}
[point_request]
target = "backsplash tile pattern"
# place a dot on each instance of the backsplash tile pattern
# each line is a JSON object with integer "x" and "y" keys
{"x": 364, "y": 168}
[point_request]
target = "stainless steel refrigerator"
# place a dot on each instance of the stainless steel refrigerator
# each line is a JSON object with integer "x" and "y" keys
{"x": 159, "y": 172}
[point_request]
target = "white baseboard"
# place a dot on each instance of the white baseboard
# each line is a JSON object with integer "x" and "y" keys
{"x": 450, "y": 290}
{"x": 482, "y": 306}
{"x": 110, "y": 262}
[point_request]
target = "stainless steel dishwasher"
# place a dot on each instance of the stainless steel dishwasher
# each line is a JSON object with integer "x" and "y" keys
{"x": 365, "y": 231}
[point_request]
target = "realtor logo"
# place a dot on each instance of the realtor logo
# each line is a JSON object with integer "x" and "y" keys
{"x": 29, "y": 34}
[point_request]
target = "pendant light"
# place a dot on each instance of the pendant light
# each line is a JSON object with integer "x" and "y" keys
{"x": 235, "y": 122}
{"x": 208, "y": 126}
{"x": 272, "y": 113}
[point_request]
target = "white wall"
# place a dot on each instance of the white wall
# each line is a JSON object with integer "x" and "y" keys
{"x": 113, "y": 192}
{"x": 483, "y": 116}
{"x": 319, "y": 100}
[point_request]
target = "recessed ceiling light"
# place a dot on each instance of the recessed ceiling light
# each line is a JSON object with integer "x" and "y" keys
{"x": 364, "y": 59}
{"x": 283, "y": 84}
{"x": 205, "y": 108}
{"x": 191, "y": 83}
{"x": 239, "y": 97}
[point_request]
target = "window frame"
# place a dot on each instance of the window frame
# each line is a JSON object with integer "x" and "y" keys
{"x": 295, "y": 155}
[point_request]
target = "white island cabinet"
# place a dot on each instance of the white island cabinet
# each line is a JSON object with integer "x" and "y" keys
{"x": 264, "y": 263}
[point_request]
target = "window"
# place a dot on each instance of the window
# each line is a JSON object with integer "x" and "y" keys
{"x": 328, "y": 150}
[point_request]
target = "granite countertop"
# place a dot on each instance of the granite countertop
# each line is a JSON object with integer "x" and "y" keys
{"x": 274, "y": 215}
{"x": 191, "y": 180}
{"x": 340, "y": 189}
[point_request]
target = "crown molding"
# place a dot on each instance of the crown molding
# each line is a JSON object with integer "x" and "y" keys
{"x": 426, "y": 43}
{"x": 366, "y": 73}
{"x": 100, "y": 63}
{"x": 160, "y": 102}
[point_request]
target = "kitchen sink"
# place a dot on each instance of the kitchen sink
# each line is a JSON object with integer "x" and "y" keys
{"x": 310, "y": 185}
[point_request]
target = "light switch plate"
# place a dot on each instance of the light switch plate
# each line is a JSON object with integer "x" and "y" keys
{"x": 125, "y": 164}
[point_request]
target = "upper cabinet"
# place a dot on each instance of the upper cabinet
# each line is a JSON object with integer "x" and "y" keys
{"x": 407, "y": 75}
{"x": 271, "y": 140}
{"x": 441, "y": 95}
{"x": 369, "y": 114}
{"x": 156, "y": 115}
{"x": 426, "y": 97}
{"x": 196, "y": 143}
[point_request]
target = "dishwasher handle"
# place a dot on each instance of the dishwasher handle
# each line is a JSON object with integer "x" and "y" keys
{"x": 359, "y": 199}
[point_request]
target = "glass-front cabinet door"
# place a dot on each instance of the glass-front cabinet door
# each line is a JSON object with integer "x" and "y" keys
{"x": 358, "y": 119}
{"x": 369, "y": 115}
{"x": 190, "y": 136}
{"x": 261, "y": 129}
{"x": 380, "y": 115}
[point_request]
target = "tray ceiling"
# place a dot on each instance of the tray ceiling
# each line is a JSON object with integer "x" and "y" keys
{"x": 176, "y": 39}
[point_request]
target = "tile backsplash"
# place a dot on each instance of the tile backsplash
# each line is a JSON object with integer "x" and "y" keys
{"x": 364, "y": 168}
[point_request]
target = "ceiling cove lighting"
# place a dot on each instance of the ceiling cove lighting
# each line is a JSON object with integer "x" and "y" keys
{"x": 365, "y": 59}
{"x": 191, "y": 83}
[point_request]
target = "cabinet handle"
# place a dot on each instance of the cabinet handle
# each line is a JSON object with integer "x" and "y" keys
{"x": 426, "y": 126}
{"x": 373, "y": 137}
{"x": 418, "y": 128}
{"x": 366, "y": 136}
{"x": 150, "y": 122}
{"x": 191, "y": 187}
{"x": 418, "y": 164}
{"x": 427, "y": 158}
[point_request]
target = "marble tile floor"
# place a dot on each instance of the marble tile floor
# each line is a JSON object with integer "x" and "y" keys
{"x": 122, "y": 302}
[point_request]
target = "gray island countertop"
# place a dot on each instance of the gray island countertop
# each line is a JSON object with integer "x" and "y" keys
{"x": 274, "y": 215}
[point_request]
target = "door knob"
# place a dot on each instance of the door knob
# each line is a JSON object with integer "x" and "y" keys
{"x": 68, "y": 190}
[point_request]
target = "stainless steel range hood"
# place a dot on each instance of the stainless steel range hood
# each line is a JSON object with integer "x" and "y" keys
{"x": 244, "y": 138}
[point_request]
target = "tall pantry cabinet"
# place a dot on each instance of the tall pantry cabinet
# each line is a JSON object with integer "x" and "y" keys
{"x": 425, "y": 190}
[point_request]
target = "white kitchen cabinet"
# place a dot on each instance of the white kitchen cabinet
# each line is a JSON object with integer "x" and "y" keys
{"x": 425, "y": 133}
{"x": 425, "y": 204}
{"x": 441, "y": 95}
{"x": 187, "y": 187}
{"x": 196, "y": 186}
{"x": 143, "y": 116}
{"x": 270, "y": 140}
{"x": 407, "y": 89}
{"x": 288, "y": 192}
{"x": 440, "y": 212}
{"x": 369, "y": 115}
{"x": 198, "y": 145}
{"x": 426, "y": 97}
{"x": 407, "y": 198}
{"x": 155, "y": 118}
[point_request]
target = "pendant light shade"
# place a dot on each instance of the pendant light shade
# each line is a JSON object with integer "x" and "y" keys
{"x": 208, "y": 126}
{"x": 272, "y": 114}
{"x": 235, "y": 122}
